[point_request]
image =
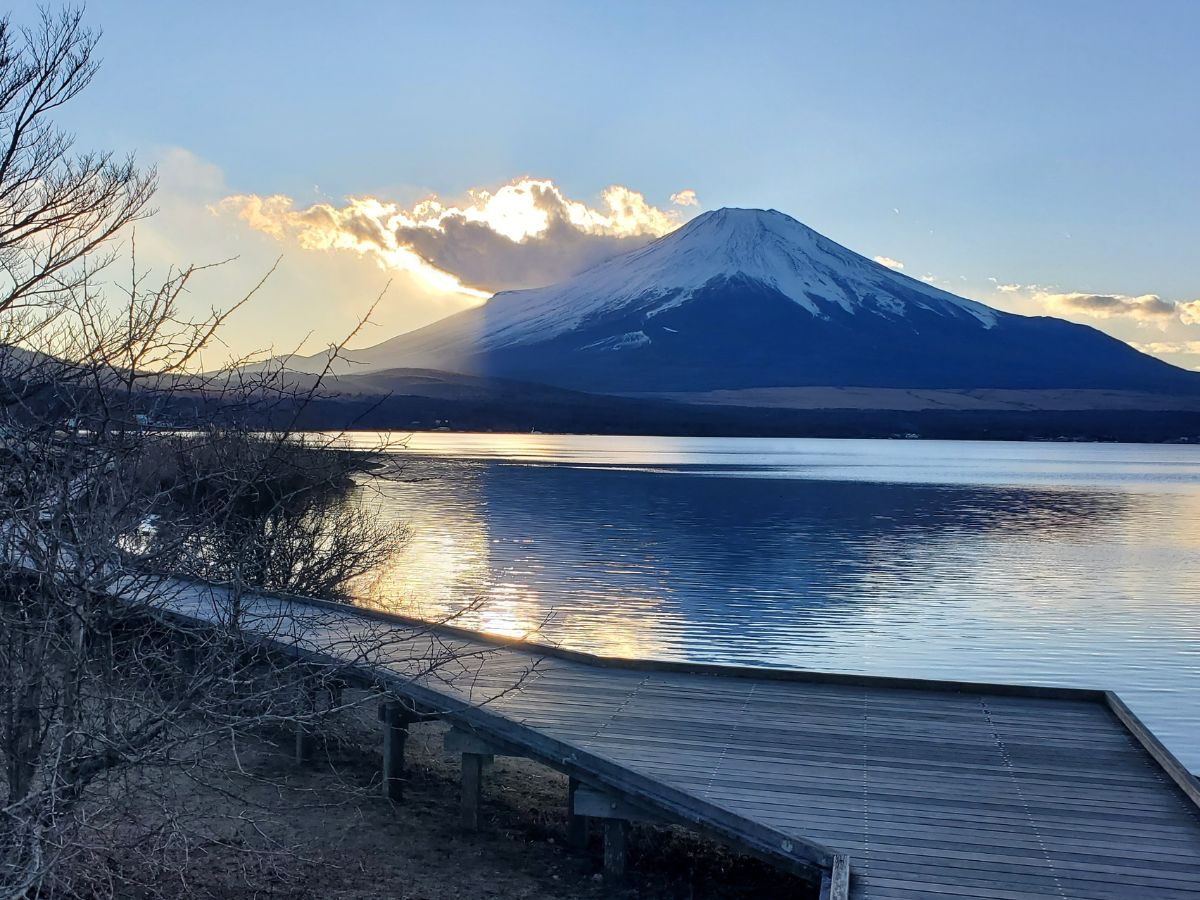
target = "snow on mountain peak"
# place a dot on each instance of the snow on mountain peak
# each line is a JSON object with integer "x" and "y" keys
{"x": 746, "y": 298}
{"x": 764, "y": 246}
{"x": 734, "y": 248}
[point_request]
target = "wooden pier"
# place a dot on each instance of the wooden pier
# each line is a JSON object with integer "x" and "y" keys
{"x": 873, "y": 788}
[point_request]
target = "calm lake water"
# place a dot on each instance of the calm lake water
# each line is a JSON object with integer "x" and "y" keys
{"x": 1069, "y": 564}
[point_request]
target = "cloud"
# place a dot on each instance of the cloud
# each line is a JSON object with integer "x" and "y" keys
{"x": 318, "y": 297}
{"x": 1160, "y": 347}
{"x": 1144, "y": 308}
{"x": 1127, "y": 317}
{"x": 526, "y": 233}
{"x": 889, "y": 262}
{"x": 686, "y": 197}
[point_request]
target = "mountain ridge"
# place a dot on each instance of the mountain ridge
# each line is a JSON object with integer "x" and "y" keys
{"x": 738, "y": 299}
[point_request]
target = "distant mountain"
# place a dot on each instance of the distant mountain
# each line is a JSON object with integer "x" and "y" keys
{"x": 742, "y": 298}
{"x": 415, "y": 399}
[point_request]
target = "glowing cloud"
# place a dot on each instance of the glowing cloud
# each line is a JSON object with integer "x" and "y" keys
{"x": 1159, "y": 347}
{"x": 526, "y": 233}
{"x": 890, "y": 263}
{"x": 1142, "y": 309}
{"x": 1145, "y": 308}
{"x": 685, "y": 197}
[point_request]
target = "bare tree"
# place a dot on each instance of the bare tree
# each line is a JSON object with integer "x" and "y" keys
{"x": 123, "y": 467}
{"x": 58, "y": 209}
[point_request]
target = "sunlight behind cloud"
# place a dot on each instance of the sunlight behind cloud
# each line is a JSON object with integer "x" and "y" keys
{"x": 309, "y": 300}
{"x": 522, "y": 234}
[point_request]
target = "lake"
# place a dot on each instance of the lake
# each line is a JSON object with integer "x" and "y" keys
{"x": 1066, "y": 564}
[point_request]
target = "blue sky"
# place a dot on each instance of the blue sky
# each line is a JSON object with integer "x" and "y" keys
{"x": 1053, "y": 148}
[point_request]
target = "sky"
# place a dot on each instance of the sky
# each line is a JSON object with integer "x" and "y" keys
{"x": 1040, "y": 157}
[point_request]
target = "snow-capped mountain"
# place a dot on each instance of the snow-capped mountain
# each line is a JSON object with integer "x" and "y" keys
{"x": 742, "y": 298}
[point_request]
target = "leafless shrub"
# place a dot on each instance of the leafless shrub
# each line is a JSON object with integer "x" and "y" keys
{"x": 126, "y": 461}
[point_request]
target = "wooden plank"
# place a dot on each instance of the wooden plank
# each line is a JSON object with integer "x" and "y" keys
{"x": 459, "y": 740}
{"x": 998, "y": 779}
{"x": 1164, "y": 757}
{"x": 796, "y": 853}
{"x": 985, "y": 874}
{"x": 977, "y": 872}
{"x": 938, "y": 789}
{"x": 1004, "y": 885}
{"x": 599, "y": 805}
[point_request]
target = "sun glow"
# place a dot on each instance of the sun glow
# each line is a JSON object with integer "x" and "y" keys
{"x": 400, "y": 238}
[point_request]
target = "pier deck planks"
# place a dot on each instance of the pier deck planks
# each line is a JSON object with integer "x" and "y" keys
{"x": 933, "y": 791}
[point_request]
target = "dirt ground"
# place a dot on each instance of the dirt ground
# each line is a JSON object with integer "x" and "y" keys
{"x": 273, "y": 830}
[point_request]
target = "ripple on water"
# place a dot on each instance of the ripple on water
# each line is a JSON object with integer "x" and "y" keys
{"x": 1059, "y": 564}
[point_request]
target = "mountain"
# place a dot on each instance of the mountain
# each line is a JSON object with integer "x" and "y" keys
{"x": 748, "y": 299}
{"x": 415, "y": 399}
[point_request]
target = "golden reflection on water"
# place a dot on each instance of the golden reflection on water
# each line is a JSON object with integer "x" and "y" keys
{"x": 447, "y": 572}
{"x": 608, "y": 450}
{"x": 507, "y": 610}
{"x": 1062, "y": 564}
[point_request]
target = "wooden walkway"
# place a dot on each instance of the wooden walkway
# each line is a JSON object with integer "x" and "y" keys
{"x": 928, "y": 789}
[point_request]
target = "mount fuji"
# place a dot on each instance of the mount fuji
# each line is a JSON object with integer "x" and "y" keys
{"x": 742, "y": 298}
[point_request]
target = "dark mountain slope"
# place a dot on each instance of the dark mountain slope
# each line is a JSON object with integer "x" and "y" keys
{"x": 752, "y": 298}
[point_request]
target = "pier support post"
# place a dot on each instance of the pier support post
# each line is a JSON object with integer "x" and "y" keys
{"x": 183, "y": 658}
{"x": 395, "y": 733}
{"x": 616, "y": 840}
{"x": 835, "y": 884}
{"x": 305, "y": 740}
{"x": 304, "y": 745}
{"x": 473, "y": 765}
{"x": 577, "y": 825}
{"x": 336, "y": 687}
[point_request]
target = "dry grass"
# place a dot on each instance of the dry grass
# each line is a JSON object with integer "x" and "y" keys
{"x": 268, "y": 829}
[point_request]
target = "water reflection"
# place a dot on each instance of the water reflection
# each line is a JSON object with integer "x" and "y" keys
{"x": 1004, "y": 578}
